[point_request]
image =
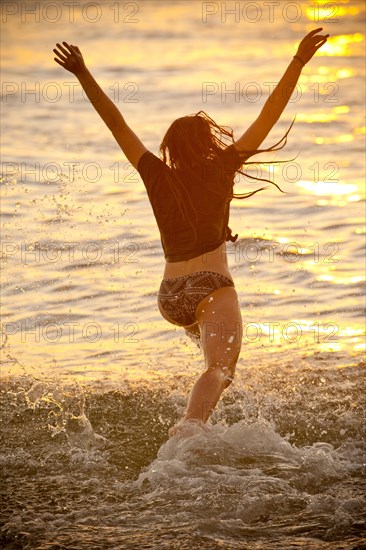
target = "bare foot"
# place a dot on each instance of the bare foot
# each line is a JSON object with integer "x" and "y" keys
{"x": 187, "y": 427}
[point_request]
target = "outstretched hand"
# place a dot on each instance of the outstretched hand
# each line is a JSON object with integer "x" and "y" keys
{"x": 310, "y": 44}
{"x": 70, "y": 58}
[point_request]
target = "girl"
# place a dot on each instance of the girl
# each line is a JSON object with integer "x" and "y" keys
{"x": 190, "y": 190}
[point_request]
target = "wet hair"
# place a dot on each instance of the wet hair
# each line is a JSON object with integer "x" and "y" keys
{"x": 193, "y": 140}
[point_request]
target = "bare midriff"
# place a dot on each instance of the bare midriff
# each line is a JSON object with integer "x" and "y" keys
{"x": 216, "y": 261}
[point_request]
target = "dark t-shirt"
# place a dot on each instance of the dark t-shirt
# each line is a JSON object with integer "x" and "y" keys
{"x": 210, "y": 195}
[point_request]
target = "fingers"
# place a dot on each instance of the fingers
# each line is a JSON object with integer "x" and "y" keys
{"x": 62, "y": 57}
{"x": 322, "y": 39}
{"x": 58, "y": 61}
{"x": 67, "y": 46}
{"x": 66, "y": 50}
{"x": 317, "y": 46}
{"x": 314, "y": 40}
{"x": 314, "y": 32}
{"x": 311, "y": 33}
{"x": 62, "y": 49}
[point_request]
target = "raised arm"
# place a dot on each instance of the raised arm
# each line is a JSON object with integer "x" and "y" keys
{"x": 277, "y": 101}
{"x": 71, "y": 59}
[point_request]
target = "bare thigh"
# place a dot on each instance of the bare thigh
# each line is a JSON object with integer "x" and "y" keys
{"x": 220, "y": 323}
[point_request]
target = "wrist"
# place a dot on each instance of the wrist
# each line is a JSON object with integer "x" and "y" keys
{"x": 298, "y": 58}
{"x": 82, "y": 73}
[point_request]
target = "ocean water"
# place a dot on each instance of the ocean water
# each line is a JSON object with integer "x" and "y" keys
{"x": 92, "y": 376}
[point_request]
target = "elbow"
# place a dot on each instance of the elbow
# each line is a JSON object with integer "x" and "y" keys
{"x": 116, "y": 124}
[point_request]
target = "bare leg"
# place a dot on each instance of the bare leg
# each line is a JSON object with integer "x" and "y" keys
{"x": 220, "y": 323}
{"x": 204, "y": 395}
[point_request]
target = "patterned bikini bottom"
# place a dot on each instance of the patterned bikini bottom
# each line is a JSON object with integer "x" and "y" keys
{"x": 179, "y": 297}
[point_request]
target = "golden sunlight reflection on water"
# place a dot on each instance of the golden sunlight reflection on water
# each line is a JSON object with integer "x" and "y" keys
{"x": 344, "y": 45}
{"x": 334, "y": 188}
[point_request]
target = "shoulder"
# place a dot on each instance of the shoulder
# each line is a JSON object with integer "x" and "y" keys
{"x": 230, "y": 159}
{"x": 148, "y": 162}
{"x": 229, "y": 154}
{"x": 151, "y": 168}
{"x": 231, "y": 150}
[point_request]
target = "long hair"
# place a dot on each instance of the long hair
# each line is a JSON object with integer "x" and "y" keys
{"x": 196, "y": 139}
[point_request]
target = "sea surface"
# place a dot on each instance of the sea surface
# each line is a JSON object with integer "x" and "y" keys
{"x": 92, "y": 375}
